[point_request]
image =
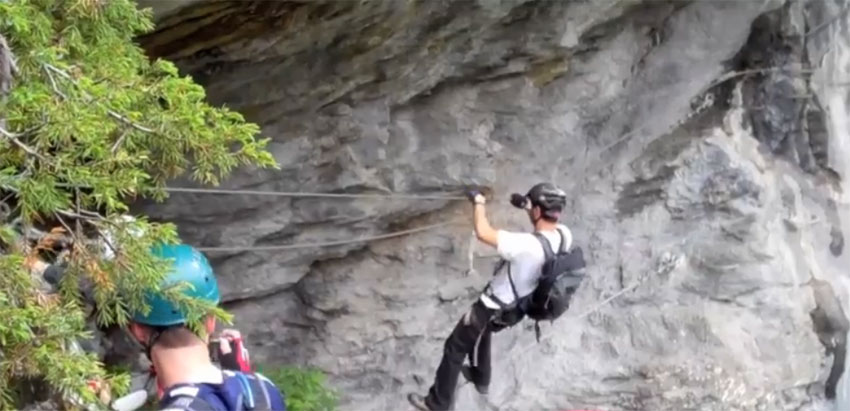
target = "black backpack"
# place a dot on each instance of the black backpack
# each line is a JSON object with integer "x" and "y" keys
{"x": 560, "y": 277}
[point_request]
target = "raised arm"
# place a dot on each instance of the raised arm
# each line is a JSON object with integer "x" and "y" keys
{"x": 483, "y": 230}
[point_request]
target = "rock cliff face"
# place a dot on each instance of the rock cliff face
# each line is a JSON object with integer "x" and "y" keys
{"x": 703, "y": 145}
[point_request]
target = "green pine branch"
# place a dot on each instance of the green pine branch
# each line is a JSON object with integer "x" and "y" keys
{"x": 88, "y": 125}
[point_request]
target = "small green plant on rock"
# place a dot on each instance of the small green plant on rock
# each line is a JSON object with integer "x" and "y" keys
{"x": 306, "y": 389}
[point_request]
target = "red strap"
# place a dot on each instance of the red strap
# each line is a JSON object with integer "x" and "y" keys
{"x": 241, "y": 355}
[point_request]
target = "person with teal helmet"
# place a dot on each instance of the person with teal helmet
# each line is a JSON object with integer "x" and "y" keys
{"x": 190, "y": 266}
{"x": 186, "y": 374}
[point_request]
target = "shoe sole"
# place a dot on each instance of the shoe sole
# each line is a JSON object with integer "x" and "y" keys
{"x": 416, "y": 404}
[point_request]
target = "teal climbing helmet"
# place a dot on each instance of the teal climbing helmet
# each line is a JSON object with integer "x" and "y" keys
{"x": 189, "y": 265}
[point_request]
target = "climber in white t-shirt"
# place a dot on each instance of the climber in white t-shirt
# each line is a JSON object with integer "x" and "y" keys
{"x": 523, "y": 257}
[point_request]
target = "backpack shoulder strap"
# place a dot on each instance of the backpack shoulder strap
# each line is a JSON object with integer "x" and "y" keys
{"x": 511, "y": 280}
{"x": 499, "y": 266}
{"x": 547, "y": 248}
{"x": 254, "y": 393}
{"x": 259, "y": 392}
{"x": 563, "y": 248}
{"x": 271, "y": 394}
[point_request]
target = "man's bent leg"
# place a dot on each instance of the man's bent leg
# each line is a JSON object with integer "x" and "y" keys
{"x": 458, "y": 345}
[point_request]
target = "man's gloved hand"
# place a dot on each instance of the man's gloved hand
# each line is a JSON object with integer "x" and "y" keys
{"x": 231, "y": 353}
{"x": 475, "y": 196}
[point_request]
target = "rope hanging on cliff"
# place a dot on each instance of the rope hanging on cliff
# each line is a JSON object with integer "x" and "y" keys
{"x": 302, "y": 194}
{"x": 436, "y": 197}
{"x": 666, "y": 264}
{"x": 328, "y": 243}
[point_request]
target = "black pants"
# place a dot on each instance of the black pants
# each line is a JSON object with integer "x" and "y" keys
{"x": 470, "y": 338}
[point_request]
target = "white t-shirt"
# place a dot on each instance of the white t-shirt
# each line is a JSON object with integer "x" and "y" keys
{"x": 525, "y": 255}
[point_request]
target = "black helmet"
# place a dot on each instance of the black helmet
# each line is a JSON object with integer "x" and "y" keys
{"x": 549, "y": 198}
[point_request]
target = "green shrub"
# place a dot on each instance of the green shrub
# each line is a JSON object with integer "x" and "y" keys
{"x": 306, "y": 389}
{"x": 87, "y": 126}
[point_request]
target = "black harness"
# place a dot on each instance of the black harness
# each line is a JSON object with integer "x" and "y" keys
{"x": 510, "y": 314}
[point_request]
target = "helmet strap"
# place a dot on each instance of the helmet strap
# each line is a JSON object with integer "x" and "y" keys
{"x": 152, "y": 339}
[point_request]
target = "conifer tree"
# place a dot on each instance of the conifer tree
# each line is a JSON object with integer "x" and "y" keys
{"x": 87, "y": 126}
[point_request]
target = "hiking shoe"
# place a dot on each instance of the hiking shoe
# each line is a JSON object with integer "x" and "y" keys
{"x": 418, "y": 401}
{"x": 467, "y": 373}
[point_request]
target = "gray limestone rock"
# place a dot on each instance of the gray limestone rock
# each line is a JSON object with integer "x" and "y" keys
{"x": 707, "y": 199}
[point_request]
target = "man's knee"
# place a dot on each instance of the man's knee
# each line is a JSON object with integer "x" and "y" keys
{"x": 455, "y": 348}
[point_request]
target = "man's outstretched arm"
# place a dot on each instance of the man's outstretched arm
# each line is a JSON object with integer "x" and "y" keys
{"x": 483, "y": 230}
